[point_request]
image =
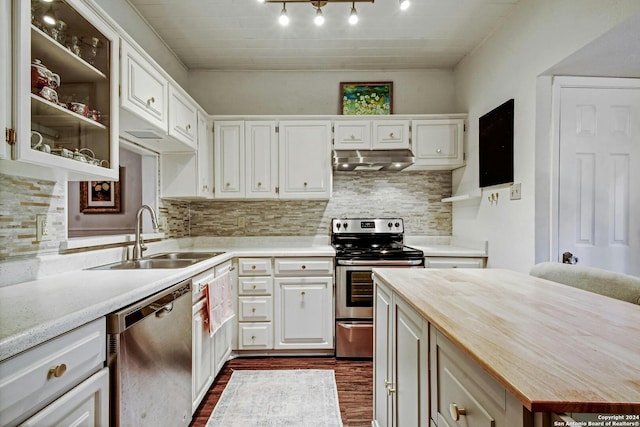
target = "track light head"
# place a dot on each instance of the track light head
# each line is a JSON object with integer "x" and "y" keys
{"x": 284, "y": 16}
{"x": 319, "y": 19}
{"x": 353, "y": 16}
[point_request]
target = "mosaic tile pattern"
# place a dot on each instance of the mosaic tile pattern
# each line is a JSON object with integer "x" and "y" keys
{"x": 414, "y": 196}
{"x": 177, "y": 214}
{"x": 23, "y": 199}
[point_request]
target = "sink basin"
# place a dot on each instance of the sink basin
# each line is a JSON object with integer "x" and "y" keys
{"x": 185, "y": 255}
{"x": 146, "y": 264}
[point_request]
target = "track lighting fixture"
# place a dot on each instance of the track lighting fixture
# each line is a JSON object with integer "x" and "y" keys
{"x": 353, "y": 16}
{"x": 319, "y": 4}
{"x": 284, "y": 16}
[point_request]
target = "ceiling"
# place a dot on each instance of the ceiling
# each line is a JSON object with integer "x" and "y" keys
{"x": 245, "y": 34}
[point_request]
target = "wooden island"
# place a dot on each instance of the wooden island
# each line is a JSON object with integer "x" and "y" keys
{"x": 495, "y": 348}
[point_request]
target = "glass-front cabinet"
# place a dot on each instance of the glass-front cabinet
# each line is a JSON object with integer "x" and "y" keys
{"x": 66, "y": 86}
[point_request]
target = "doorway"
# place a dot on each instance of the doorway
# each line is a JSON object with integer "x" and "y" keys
{"x": 597, "y": 146}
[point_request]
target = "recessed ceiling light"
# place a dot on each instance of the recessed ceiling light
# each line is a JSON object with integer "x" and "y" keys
{"x": 404, "y": 4}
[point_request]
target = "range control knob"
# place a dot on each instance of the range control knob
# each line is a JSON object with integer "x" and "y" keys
{"x": 345, "y": 225}
{"x": 397, "y": 224}
{"x": 390, "y": 224}
{"x": 338, "y": 225}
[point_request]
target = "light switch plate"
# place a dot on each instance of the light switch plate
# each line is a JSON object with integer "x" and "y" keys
{"x": 516, "y": 191}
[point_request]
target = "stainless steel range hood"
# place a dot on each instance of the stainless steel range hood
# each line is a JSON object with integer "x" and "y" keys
{"x": 372, "y": 160}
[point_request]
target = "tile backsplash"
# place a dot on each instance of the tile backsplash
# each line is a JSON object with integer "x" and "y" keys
{"x": 414, "y": 196}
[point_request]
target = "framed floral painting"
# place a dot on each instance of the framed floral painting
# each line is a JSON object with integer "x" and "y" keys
{"x": 366, "y": 98}
{"x": 100, "y": 197}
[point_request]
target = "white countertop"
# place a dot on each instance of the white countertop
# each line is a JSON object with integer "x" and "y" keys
{"x": 34, "y": 311}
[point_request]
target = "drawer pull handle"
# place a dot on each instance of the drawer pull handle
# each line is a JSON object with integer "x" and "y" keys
{"x": 57, "y": 371}
{"x": 456, "y": 412}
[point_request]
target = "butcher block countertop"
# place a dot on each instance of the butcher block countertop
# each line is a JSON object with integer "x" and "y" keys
{"x": 554, "y": 347}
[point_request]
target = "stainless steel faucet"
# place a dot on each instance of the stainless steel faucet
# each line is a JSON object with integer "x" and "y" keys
{"x": 139, "y": 246}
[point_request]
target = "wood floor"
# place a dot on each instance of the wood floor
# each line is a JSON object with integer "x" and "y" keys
{"x": 354, "y": 380}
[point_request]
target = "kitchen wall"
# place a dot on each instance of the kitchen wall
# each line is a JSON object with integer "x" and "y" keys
{"x": 415, "y": 196}
{"x": 82, "y": 225}
{"x": 538, "y": 34}
{"x": 316, "y": 92}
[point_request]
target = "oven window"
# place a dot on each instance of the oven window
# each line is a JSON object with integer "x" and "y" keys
{"x": 359, "y": 289}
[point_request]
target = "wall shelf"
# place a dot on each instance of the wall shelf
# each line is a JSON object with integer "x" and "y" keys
{"x": 476, "y": 194}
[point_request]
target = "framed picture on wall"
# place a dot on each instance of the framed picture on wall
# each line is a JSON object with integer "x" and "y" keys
{"x": 366, "y": 98}
{"x": 101, "y": 197}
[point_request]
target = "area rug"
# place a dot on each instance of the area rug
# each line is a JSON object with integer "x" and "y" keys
{"x": 296, "y": 398}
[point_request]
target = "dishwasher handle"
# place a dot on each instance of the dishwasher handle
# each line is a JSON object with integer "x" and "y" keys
{"x": 160, "y": 304}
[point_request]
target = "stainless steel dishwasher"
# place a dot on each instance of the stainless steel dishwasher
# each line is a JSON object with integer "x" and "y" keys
{"x": 149, "y": 347}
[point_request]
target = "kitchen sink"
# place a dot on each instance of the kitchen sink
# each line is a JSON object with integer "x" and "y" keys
{"x": 185, "y": 255}
{"x": 161, "y": 260}
{"x": 147, "y": 264}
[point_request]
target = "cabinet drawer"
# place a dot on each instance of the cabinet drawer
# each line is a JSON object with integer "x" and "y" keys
{"x": 255, "y": 266}
{"x": 255, "y": 309}
{"x": 34, "y": 378}
{"x": 255, "y": 286}
{"x": 459, "y": 381}
{"x": 85, "y": 405}
{"x": 255, "y": 336}
{"x": 449, "y": 262}
{"x": 304, "y": 266}
{"x": 391, "y": 134}
{"x": 352, "y": 135}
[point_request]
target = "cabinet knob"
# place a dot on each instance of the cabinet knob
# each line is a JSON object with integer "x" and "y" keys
{"x": 253, "y": 310}
{"x": 188, "y": 126}
{"x": 391, "y": 135}
{"x": 439, "y": 150}
{"x": 302, "y": 293}
{"x": 456, "y": 412}
{"x": 253, "y": 337}
{"x": 227, "y": 184}
{"x": 253, "y": 267}
{"x": 254, "y": 286}
{"x": 304, "y": 267}
{"x": 305, "y": 184}
{"x": 259, "y": 184}
{"x": 353, "y": 137}
{"x": 57, "y": 371}
{"x": 151, "y": 100}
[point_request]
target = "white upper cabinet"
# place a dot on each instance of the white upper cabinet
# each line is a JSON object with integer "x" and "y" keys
{"x": 438, "y": 144}
{"x": 390, "y": 134}
{"x": 190, "y": 175}
{"x": 229, "y": 159}
{"x": 65, "y": 81}
{"x": 261, "y": 151}
{"x": 145, "y": 91}
{"x": 183, "y": 117}
{"x": 352, "y": 135}
{"x": 5, "y": 72}
{"x": 305, "y": 159}
{"x": 157, "y": 114}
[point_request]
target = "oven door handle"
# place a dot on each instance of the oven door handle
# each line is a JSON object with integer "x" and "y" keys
{"x": 409, "y": 262}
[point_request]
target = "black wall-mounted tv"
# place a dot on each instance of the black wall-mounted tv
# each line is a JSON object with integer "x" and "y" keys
{"x": 496, "y": 145}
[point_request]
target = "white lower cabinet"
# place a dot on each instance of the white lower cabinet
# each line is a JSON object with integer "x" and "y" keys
{"x": 455, "y": 262}
{"x": 285, "y": 303}
{"x": 304, "y": 308}
{"x": 39, "y": 378}
{"x": 401, "y": 363}
{"x": 86, "y": 405}
{"x": 202, "y": 353}
{"x": 462, "y": 393}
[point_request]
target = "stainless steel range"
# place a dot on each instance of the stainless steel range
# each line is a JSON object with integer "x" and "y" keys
{"x": 361, "y": 244}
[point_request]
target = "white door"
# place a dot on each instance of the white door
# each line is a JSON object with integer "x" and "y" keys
{"x": 599, "y": 173}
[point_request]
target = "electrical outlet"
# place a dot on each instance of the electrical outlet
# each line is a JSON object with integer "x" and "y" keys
{"x": 164, "y": 223}
{"x": 516, "y": 191}
{"x": 44, "y": 227}
{"x": 241, "y": 222}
